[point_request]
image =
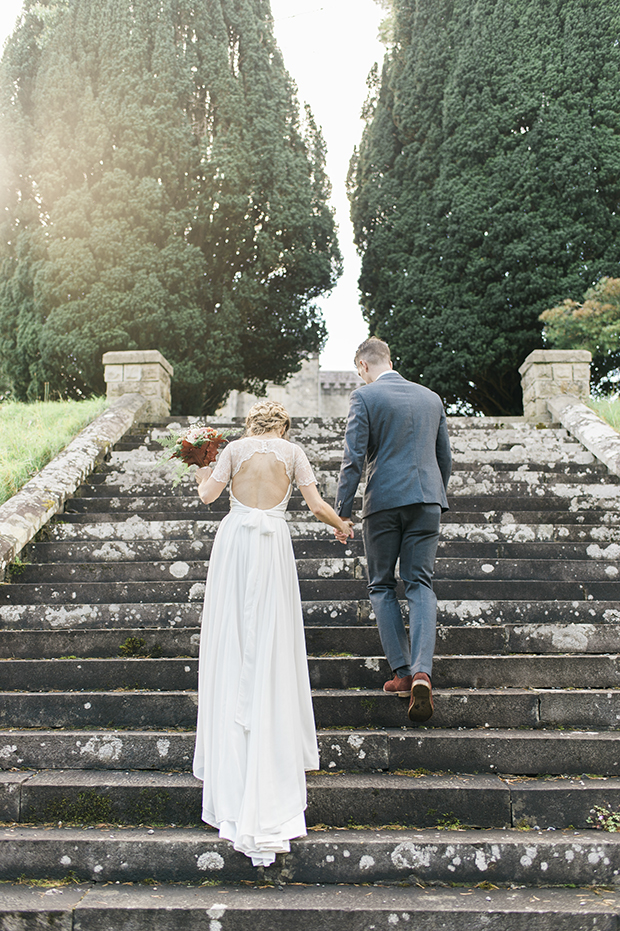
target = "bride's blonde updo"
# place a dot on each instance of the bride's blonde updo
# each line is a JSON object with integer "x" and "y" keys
{"x": 267, "y": 417}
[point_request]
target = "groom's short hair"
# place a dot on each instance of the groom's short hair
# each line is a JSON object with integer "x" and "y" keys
{"x": 374, "y": 351}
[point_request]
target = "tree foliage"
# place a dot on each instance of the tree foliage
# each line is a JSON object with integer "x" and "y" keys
{"x": 592, "y": 324}
{"x": 160, "y": 190}
{"x": 486, "y": 185}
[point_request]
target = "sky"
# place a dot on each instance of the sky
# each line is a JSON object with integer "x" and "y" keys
{"x": 329, "y": 46}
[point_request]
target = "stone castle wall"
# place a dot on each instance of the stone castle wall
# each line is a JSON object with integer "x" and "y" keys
{"x": 309, "y": 393}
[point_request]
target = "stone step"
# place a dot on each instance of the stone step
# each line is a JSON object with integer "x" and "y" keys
{"x": 580, "y": 498}
{"x": 92, "y": 797}
{"x": 597, "y": 709}
{"x": 520, "y": 751}
{"x": 338, "y": 799}
{"x": 168, "y": 907}
{"x": 461, "y": 441}
{"x": 472, "y": 549}
{"x": 486, "y": 589}
{"x": 135, "y": 529}
{"x": 78, "y": 528}
{"x": 302, "y": 522}
{"x": 566, "y": 624}
{"x": 324, "y": 856}
{"x": 518, "y": 455}
{"x": 184, "y": 549}
{"x": 130, "y": 467}
{"x": 590, "y": 671}
{"x": 118, "y": 551}
{"x": 334, "y": 566}
{"x": 463, "y": 480}
{"x": 358, "y": 640}
{"x": 524, "y": 468}
{"x": 330, "y": 567}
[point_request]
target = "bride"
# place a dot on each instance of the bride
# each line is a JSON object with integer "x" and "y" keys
{"x": 255, "y": 733}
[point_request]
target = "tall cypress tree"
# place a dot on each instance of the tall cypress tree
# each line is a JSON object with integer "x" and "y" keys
{"x": 500, "y": 190}
{"x": 174, "y": 198}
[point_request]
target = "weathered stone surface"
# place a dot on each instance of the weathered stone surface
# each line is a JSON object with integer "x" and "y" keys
{"x": 424, "y": 801}
{"x": 319, "y": 908}
{"x": 95, "y": 797}
{"x": 10, "y": 794}
{"x": 353, "y": 708}
{"x": 121, "y": 708}
{"x": 507, "y": 750}
{"x": 547, "y": 373}
{"x": 580, "y": 708}
{"x": 91, "y": 616}
{"x": 587, "y": 426}
{"x": 453, "y": 708}
{"x": 145, "y": 372}
{"x": 477, "y": 612}
{"x": 192, "y": 855}
{"x": 562, "y": 803}
{"x": 36, "y": 908}
{"x": 420, "y": 750}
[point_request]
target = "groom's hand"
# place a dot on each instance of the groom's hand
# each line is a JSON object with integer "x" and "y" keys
{"x": 343, "y": 536}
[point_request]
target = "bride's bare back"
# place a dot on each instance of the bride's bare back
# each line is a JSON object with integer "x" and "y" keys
{"x": 261, "y": 481}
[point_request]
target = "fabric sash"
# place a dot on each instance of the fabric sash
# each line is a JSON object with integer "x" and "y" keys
{"x": 262, "y": 524}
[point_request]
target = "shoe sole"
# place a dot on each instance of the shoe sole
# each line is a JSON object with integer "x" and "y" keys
{"x": 406, "y": 694}
{"x": 421, "y": 707}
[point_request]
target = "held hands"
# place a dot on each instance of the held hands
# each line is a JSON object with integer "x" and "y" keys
{"x": 347, "y": 531}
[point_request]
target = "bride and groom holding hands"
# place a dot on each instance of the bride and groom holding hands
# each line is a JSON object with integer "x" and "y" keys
{"x": 255, "y": 733}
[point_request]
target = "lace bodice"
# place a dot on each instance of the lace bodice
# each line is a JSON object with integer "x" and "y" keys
{"x": 236, "y": 453}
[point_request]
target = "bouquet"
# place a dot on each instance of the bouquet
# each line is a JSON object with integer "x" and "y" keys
{"x": 197, "y": 446}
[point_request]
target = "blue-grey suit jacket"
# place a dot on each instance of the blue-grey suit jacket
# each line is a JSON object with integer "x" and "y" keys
{"x": 400, "y": 429}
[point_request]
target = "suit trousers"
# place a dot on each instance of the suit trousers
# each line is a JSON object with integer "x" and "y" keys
{"x": 411, "y": 534}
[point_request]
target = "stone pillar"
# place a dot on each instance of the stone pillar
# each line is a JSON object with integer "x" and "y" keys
{"x": 549, "y": 372}
{"x": 144, "y": 372}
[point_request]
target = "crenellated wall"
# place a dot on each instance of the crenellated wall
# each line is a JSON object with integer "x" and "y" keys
{"x": 309, "y": 393}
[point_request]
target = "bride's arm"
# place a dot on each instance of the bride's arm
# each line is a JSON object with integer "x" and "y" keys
{"x": 208, "y": 488}
{"x": 324, "y": 512}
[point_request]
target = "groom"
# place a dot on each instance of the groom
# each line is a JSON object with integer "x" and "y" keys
{"x": 400, "y": 429}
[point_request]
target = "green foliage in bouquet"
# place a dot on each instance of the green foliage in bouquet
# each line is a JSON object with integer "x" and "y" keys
{"x": 197, "y": 446}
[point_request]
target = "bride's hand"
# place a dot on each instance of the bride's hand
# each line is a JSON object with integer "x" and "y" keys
{"x": 343, "y": 535}
{"x": 202, "y": 474}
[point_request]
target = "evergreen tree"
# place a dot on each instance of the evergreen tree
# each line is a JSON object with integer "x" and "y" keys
{"x": 496, "y": 195}
{"x": 164, "y": 194}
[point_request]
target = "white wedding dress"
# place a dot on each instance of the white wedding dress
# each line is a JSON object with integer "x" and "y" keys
{"x": 255, "y": 733}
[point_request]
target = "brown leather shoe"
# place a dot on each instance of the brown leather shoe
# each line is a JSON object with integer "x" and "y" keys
{"x": 399, "y": 686}
{"x": 421, "y": 705}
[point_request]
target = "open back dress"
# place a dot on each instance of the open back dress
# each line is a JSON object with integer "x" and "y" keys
{"x": 255, "y": 733}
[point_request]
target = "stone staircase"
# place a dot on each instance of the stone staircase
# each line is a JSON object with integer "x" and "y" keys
{"x": 479, "y": 819}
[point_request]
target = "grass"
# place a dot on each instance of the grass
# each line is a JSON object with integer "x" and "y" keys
{"x": 608, "y": 409}
{"x": 32, "y": 434}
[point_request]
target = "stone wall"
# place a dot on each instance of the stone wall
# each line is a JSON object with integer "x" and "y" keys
{"x": 309, "y": 393}
{"x": 547, "y": 373}
{"x": 144, "y": 372}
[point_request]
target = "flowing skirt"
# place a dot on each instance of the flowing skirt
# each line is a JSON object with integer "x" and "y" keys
{"x": 255, "y": 733}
